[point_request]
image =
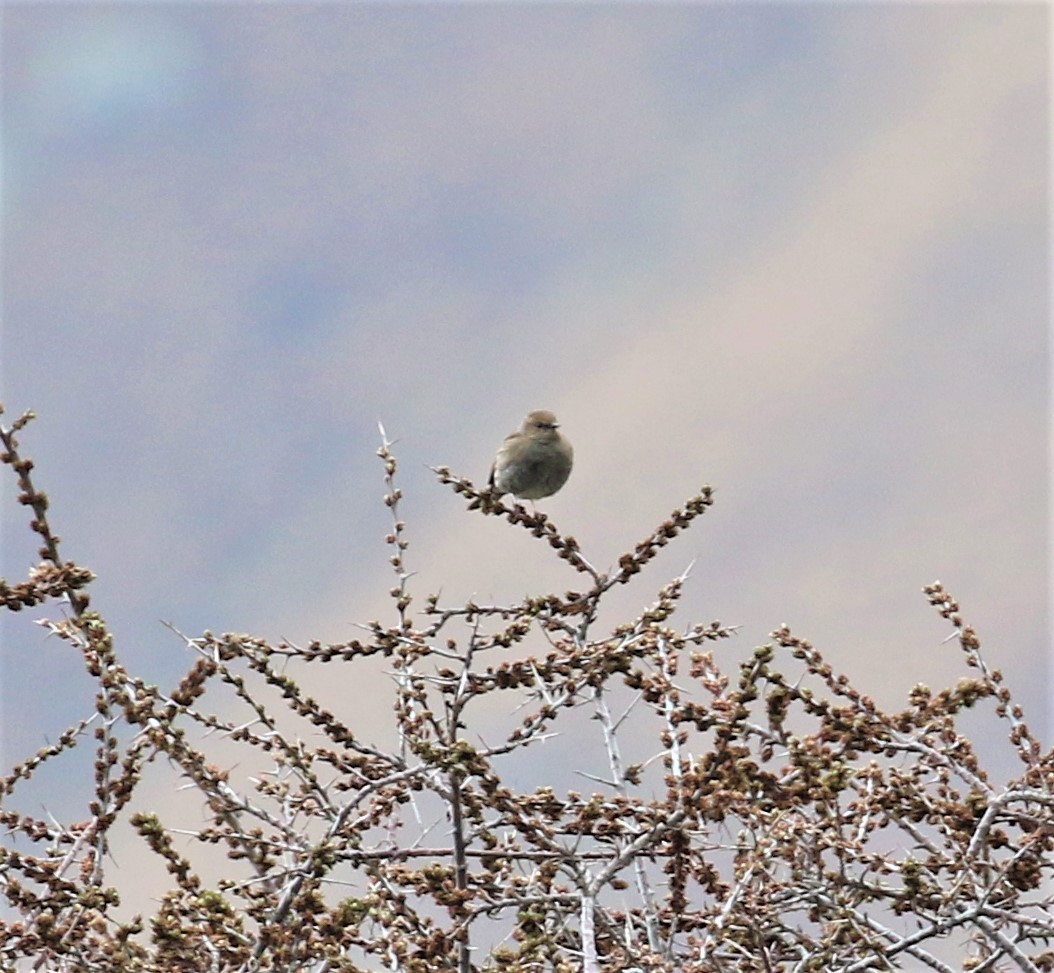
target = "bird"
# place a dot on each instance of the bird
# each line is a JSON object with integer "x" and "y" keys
{"x": 535, "y": 461}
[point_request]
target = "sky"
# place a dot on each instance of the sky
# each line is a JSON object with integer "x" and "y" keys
{"x": 799, "y": 252}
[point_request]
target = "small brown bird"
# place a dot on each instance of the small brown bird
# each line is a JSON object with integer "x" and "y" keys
{"x": 534, "y": 462}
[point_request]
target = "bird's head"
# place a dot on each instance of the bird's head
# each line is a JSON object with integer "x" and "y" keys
{"x": 541, "y": 425}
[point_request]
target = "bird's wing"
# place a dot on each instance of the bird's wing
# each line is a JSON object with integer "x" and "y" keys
{"x": 502, "y": 459}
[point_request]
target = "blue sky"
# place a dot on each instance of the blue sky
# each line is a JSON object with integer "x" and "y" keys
{"x": 800, "y": 252}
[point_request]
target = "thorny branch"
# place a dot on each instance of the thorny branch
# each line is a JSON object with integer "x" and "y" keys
{"x": 771, "y": 820}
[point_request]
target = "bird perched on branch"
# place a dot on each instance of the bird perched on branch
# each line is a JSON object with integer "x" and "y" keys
{"x": 534, "y": 462}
